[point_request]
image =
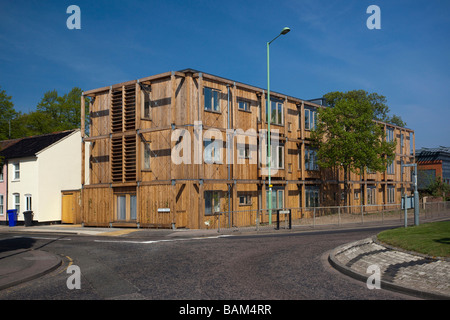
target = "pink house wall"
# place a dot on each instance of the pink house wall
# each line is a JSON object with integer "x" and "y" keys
{"x": 3, "y": 190}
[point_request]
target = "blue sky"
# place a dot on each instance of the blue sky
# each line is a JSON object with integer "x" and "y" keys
{"x": 328, "y": 49}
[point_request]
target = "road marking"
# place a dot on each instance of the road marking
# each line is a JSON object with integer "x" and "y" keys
{"x": 117, "y": 233}
{"x": 162, "y": 240}
{"x": 43, "y": 238}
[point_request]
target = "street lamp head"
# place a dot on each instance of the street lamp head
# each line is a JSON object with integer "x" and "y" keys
{"x": 285, "y": 30}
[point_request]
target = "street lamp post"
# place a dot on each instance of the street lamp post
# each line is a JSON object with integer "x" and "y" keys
{"x": 269, "y": 109}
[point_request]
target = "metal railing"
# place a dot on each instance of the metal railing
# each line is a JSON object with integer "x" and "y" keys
{"x": 258, "y": 219}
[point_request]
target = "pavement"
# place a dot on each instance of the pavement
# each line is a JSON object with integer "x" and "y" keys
{"x": 406, "y": 272}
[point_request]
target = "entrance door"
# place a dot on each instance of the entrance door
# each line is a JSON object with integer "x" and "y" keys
{"x": 68, "y": 211}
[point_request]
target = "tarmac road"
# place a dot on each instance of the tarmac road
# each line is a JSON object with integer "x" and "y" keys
{"x": 165, "y": 266}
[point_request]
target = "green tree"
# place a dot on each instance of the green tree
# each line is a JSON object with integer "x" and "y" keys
{"x": 397, "y": 120}
{"x": 438, "y": 188}
{"x": 54, "y": 113}
{"x": 7, "y": 115}
{"x": 347, "y": 137}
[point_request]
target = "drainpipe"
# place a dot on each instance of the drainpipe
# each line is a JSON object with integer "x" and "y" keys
{"x": 228, "y": 155}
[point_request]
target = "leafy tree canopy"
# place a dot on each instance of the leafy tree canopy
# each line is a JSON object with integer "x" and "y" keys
{"x": 53, "y": 113}
{"x": 346, "y": 135}
{"x": 378, "y": 103}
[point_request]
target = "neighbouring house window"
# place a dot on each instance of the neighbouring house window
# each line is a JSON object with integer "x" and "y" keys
{"x": 212, "y": 202}
{"x": 371, "y": 195}
{"x": 245, "y": 200}
{"x": 212, "y": 99}
{"x": 1, "y": 173}
{"x": 17, "y": 202}
{"x": 28, "y": 202}
{"x": 276, "y": 112}
{"x": 391, "y": 194}
{"x": 243, "y": 105}
{"x": 147, "y": 156}
{"x": 310, "y": 119}
{"x": 311, "y": 159}
{"x": 391, "y": 168}
{"x": 126, "y": 207}
{"x": 16, "y": 167}
{"x": 145, "y": 102}
{"x": 1, "y": 205}
{"x": 312, "y": 196}
{"x": 277, "y": 198}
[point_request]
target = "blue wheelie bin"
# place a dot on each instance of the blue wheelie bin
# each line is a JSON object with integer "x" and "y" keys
{"x": 12, "y": 217}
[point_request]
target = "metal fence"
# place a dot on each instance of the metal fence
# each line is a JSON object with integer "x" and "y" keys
{"x": 263, "y": 219}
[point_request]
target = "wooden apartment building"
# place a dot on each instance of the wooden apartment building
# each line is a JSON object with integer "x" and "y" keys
{"x": 140, "y": 129}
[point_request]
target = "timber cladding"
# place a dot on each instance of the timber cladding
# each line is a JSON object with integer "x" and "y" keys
{"x": 158, "y": 155}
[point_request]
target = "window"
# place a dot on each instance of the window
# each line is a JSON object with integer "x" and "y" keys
{"x": 357, "y": 194}
{"x": 371, "y": 195}
{"x": 212, "y": 202}
{"x": 244, "y": 151}
{"x": 16, "y": 167}
{"x": 126, "y": 207}
{"x": 17, "y": 202}
{"x": 277, "y": 198}
{"x": 276, "y": 112}
{"x": 389, "y": 134}
{"x": 145, "y": 102}
{"x": 1, "y": 173}
{"x": 147, "y": 156}
{"x": 310, "y": 119}
{"x": 312, "y": 196}
{"x": 28, "y": 202}
{"x": 391, "y": 168}
{"x": 213, "y": 150}
{"x": 243, "y": 105}
{"x": 245, "y": 200}
{"x": 277, "y": 156}
{"x": 311, "y": 159}
{"x": 1, "y": 205}
{"x": 402, "y": 142}
{"x": 212, "y": 99}
{"x": 391, "y": 194}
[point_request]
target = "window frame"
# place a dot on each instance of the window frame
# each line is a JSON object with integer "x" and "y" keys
{"x": 277, "y": 117}
{"x": 17, "y": 201}
{"x": 310, "y": 122}
{"x": 276, "y": 192}
{"x": 245, "y": 103}
{"x": 146, "y": 102}
{"x": 129, "y": 214}
{"x": 371, "y": 195}
{"x": 28, "y": 202}
{"x": 247, "y": 200}
{"x": 213, "y": 103}
{"x": 312, "y": 196}
{"x": 16, "y": 171}
{"x": 2, "y": 204}
{"x": 214, "y": 197}
{"x": 311, "y": 159}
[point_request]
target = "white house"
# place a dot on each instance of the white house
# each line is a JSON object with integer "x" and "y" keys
{"x": 38, "y": 169}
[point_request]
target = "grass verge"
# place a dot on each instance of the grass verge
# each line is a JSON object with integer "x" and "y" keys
{"x": 429, "y": 238}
